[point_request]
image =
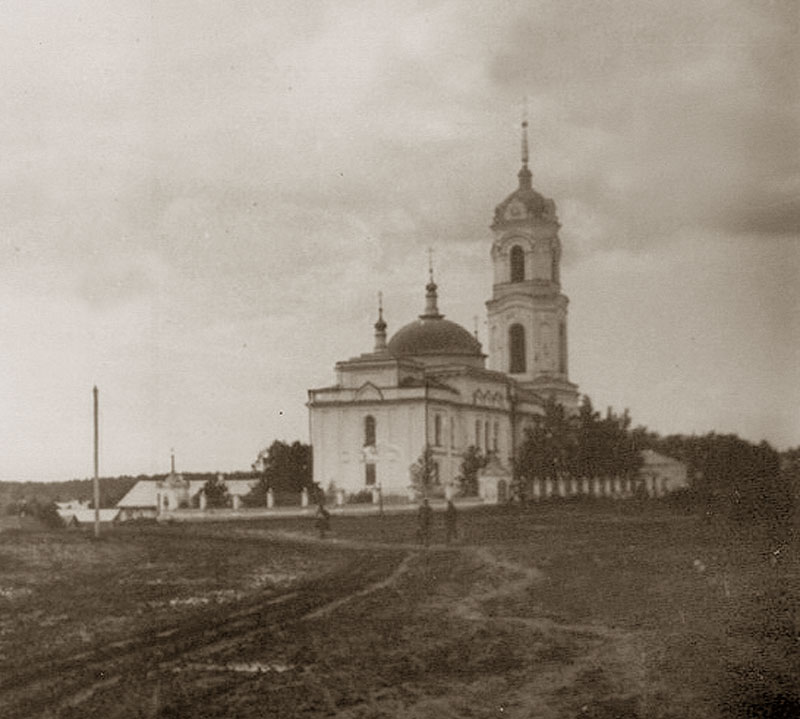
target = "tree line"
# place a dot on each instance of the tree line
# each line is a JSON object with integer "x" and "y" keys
{"x": 559, "y": 445}
{"x": 730, "y": 479}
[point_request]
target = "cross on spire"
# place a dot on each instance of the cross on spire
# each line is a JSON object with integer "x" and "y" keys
{"x": 525, "y": 132}
{"x": 380, "y": 327}
{"x": 431, "y": 309}
{"x": 524, "y": 174}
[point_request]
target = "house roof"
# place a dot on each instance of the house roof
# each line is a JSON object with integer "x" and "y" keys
{"x": 651, "y": 457}
{"x": 86, "y": 516}
{"x": 143, "y": 493}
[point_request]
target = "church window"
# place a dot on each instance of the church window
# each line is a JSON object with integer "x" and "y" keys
{"x": 516, "y": 342}
{"x": 369, "y": 431}
{"x": 495, "y": 438}
{"x": 477, "y": 434}
{"x": 486, "y": 438}
{"x": 369, "y": 474}
{"x": 562, "y": 348}
{"x": 517, "y": 264}
{"x": 437, "y": 430}
{"x": 548, "y": 358}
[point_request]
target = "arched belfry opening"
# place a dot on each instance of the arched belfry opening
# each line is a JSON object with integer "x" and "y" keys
{"x": 517, "y": 264}
{"x": 516, "y": 346}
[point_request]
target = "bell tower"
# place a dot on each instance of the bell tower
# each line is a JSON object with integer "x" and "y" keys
{"x": 527, "y": 313}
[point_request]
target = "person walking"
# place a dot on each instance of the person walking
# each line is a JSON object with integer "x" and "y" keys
{"x": 450, "y": 522}
{"x": 424, "y": 518}
{"x": 323, "y": 520}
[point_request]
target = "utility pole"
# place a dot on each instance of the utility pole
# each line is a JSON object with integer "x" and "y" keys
{"x": 96, "y": 471}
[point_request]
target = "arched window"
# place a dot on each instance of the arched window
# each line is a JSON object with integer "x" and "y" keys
{"x": 516, "y": 344}
{"x": 517, "y": 264}
{"x": 562, "y": 348}
{"x": 369, "y": 431}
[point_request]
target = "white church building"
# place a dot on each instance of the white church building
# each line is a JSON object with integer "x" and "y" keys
{"x": 432, "y": 384}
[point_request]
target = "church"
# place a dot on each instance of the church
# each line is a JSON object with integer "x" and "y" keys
{"x": 431, "y": 384}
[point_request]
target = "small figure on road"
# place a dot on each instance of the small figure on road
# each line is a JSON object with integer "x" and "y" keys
{"x": 450, "y": 521}
{"x": 424, "y": 517}
{"x": 323, "y": 520}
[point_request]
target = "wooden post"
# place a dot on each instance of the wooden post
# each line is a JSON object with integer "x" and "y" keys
{"x": 96, "y": 471}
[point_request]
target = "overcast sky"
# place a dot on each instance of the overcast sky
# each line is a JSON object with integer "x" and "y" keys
{"x": 201, "y": 200}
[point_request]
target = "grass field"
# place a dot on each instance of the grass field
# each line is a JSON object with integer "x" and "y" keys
{"x": 563, "y": 610}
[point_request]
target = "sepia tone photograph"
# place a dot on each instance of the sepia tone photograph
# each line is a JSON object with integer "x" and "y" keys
{"x": 416, "y": 360}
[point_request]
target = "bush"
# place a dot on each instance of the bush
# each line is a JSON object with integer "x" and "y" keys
{"x": 362, "y": 497}
{"x": 47, "y": 514}
{"x": 216, "y": 492}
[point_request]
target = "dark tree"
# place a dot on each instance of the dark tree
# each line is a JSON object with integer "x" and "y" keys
{"x": 550, "y": 447}
{"x": 474, "y": 460}
{"x": 582, "y": 446}
{"x": 423, "y": 472}
{"x": 282, "y": 467}
{"x": 216, "y": 492}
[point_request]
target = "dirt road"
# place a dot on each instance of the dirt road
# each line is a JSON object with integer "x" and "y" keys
{"x": 54, "y": 685}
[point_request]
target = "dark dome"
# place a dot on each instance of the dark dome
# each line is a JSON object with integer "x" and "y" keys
{"x": 434, "y": 336}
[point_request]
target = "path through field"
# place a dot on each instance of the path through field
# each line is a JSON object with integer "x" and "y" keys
{"x": 529, "y": 620}
{"x": 88, "y": 682}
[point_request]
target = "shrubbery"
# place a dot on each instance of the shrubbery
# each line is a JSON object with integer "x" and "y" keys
{"x": 362, "y": 497}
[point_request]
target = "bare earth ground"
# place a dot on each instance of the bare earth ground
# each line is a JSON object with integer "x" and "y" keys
{"x": 567, "y": 610}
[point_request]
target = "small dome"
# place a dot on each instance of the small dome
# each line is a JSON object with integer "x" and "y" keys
{"x": 521, "y": 204}
{"x": 434, "y": 336}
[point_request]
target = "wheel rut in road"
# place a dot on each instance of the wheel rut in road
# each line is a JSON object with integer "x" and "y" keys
{"x": 49, "y": 684}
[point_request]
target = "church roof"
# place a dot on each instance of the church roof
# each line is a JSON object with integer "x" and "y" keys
{"x": 529, "y": 202}
{"x": 432, "y": 334}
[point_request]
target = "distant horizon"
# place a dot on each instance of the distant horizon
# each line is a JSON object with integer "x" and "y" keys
{"x": 178, "y": 470}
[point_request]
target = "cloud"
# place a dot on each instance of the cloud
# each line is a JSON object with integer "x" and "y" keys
{"x": 206, "y": 201}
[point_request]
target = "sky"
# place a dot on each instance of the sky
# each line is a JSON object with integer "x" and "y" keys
{"x": 199, "y": 202}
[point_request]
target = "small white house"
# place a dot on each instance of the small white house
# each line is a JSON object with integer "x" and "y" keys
{"x": 494, "y": 482}
{"x": 85, "y": 516}
{"x": 150, "y": 497}
{"x": 661, "y": 474}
